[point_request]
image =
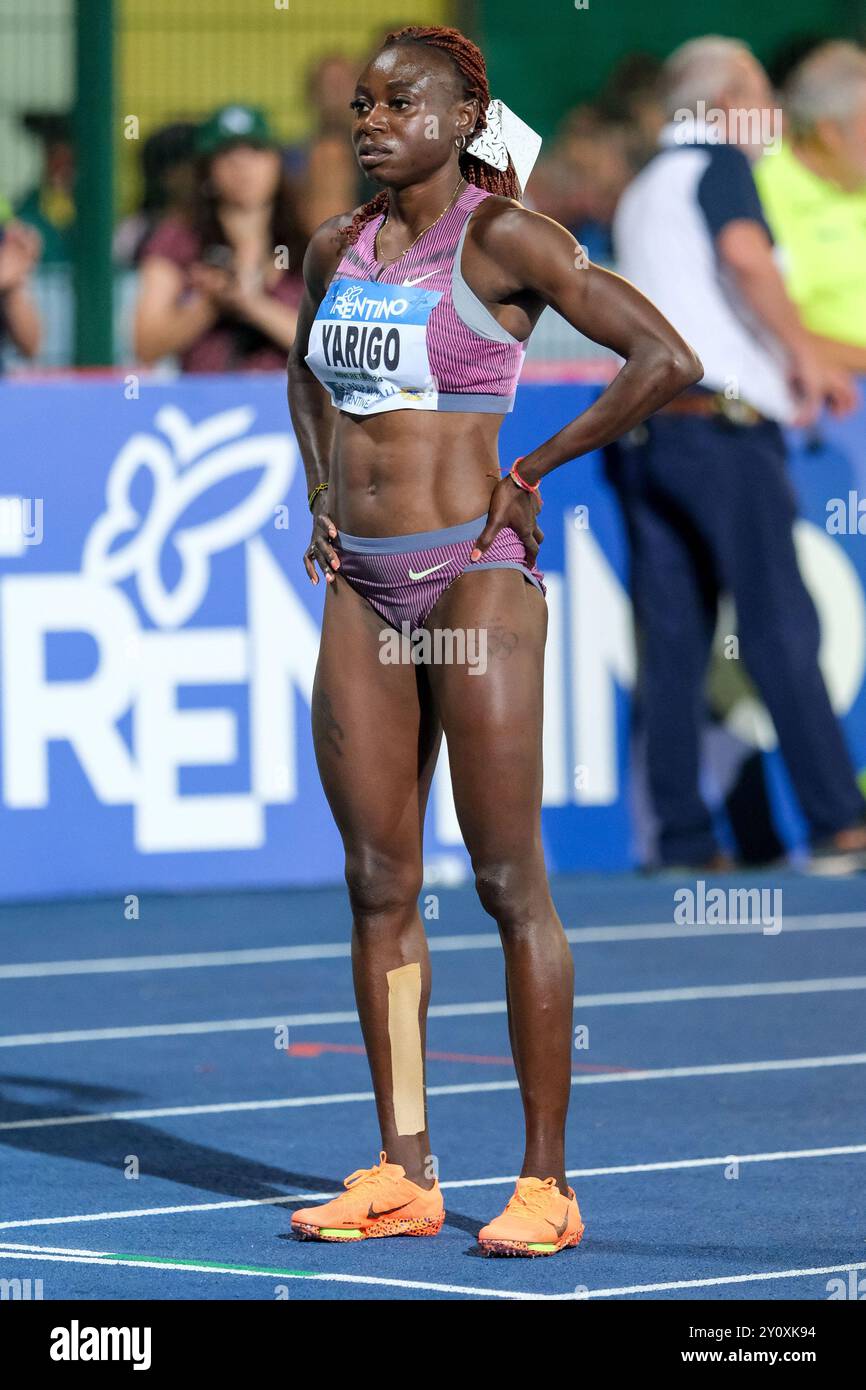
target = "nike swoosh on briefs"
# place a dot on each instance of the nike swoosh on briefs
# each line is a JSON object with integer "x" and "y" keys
{"x": 407, "y": 284}
{"x": 422, "y": 574}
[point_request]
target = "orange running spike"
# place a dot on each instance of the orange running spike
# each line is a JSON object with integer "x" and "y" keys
{"x": 538, "y": 1220}
{"x": 378, "y": 1201}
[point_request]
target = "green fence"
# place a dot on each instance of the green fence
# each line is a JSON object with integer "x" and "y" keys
{"x": 83, "y": 82}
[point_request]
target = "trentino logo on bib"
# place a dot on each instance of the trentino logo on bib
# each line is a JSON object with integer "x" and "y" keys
{"x": 368, "y": 346}
{"x": 366, "y": 301}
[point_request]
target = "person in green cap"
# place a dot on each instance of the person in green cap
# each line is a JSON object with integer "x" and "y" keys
{"x": 49, "y": 206}
{"x": 814, "y": 196}
{"x": 220, "y": 286}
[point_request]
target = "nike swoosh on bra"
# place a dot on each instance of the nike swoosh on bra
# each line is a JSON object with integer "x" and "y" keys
{"x": 407, "y": 284}
{"x": 422, "y": 574}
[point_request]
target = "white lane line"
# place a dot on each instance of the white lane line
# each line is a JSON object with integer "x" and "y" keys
{"x": 684, "y": 995}
{"x": 57, "y": 1254}
{"x": 469, "y": 1088}
{"x": 111, "y": 965}
{"x": 461, "y": 1184}
{"x": 100, "y": 1257}
{"x": 478, "y": 941}
{"x": 723, "y": 1279}
{"x": 671, "y": 1165}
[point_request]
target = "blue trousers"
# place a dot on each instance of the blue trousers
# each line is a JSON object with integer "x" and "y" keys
{"x": 709, "y": 507}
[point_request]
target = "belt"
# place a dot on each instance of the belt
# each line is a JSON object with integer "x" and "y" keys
{"x": 713, "y": 404}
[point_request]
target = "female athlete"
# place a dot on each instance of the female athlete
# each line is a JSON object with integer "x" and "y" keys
{"x": 417, "y": 309}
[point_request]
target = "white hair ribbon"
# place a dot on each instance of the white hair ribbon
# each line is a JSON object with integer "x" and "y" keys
{"x": 504, "y": 135}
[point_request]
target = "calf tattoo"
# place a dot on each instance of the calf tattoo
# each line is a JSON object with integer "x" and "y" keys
{"x": 325, "y": 725}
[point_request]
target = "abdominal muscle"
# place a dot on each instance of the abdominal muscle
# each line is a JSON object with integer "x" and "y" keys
{"x": 411, "y": 470}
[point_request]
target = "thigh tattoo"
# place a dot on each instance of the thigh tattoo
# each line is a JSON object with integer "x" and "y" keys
{"x": 501, "y": 641}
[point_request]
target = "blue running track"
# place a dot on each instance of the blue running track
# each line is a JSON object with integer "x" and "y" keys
{"x": 156, "y": 1133}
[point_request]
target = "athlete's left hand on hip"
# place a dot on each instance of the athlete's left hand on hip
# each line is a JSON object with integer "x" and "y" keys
{"x": 519, "y": 510}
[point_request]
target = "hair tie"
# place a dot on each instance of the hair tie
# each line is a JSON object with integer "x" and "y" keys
{"x": 504, "y": 136}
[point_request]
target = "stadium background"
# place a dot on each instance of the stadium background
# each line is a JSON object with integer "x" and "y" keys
{"x": 107, "y": 695}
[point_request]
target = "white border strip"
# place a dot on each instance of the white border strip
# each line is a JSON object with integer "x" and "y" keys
{"x": 60, "y": 1255}
{"x": 98, "y": 1257}
{"x": 721, "y": 1279}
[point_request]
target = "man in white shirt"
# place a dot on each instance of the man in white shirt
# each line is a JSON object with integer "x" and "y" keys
{"x": 703, "y": 485}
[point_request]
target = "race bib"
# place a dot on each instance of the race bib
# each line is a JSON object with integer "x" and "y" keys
{"x": 368, "y": 346}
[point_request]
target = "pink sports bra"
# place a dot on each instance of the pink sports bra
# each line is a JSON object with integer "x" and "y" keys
{"x": 413, "y": 335}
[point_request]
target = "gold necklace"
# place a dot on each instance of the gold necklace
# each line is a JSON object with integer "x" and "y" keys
{"x": 384, "y": 264}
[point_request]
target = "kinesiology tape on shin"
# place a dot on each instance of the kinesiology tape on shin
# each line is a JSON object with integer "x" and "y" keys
{"x": 407, "y": 1062}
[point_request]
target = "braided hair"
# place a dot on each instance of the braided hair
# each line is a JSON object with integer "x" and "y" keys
{"x": 472, "y": 71}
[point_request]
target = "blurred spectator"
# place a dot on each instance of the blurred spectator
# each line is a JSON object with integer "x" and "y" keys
{"x": 789, "y": 55}
{"x": 814, "y": 195}
{"x": 580, "y": 181}
{"x": 703, "y": 484}
{"x": 599, "y": 149}
{"x": 49, "y": 206}
{"x": 168, "y": 175}
{"x": 630, "y": 97}
{"x": 19, "y": 321}
{"x": 221, "y": 289}
{"x": 324, "y": 168}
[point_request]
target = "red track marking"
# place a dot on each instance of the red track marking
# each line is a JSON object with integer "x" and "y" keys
{"x": 469, "y": 1057}
{"x": 315, "y": 1049}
